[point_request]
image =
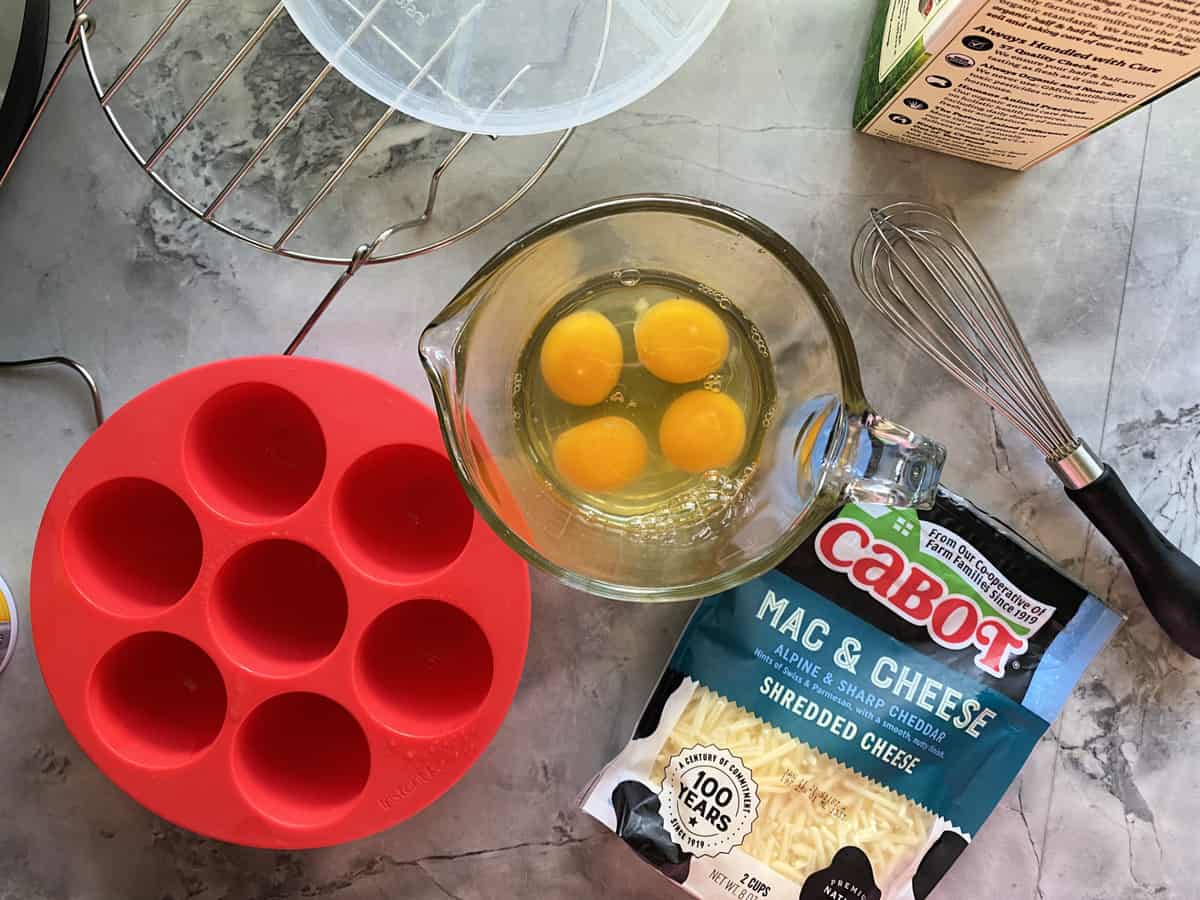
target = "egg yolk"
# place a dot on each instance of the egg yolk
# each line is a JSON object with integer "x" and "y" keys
{"x": 581, "y": 358}
{"x": 601, "y": 455}
{"x": 702, "y": 430}
{"x": 681, "y": 340}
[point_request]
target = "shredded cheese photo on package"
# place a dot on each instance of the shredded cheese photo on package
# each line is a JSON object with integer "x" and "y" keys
{"x": 842, "y": 726}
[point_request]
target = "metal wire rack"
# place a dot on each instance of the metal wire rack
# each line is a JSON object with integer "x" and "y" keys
{"x": 371, "y": 252}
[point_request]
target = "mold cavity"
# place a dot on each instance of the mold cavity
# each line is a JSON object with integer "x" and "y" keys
{"x": 301, "y": 759}
{"x": 279, "y": 607}
{"x": 424, "y": 667}
{"x": 157, "y": 700}
{"x": 255, "y": 452}
{"x": 400, "y": 512}
{"x": 132, "y": 547}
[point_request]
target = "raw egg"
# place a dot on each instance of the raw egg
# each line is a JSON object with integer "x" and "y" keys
{"x": 702, "y": 430}
{"x": 601, "y": 455}
{"x": 681, "y": 340}
{"x": 581, "y": 358}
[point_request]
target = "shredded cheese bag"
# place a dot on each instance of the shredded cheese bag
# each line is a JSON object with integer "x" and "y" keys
{"x": 842, "y": 726}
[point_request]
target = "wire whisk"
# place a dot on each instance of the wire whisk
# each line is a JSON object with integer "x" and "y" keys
{"x": 915, "y": 265}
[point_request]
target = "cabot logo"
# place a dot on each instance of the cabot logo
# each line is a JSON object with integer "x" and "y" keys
{"x": 916, "y": 594}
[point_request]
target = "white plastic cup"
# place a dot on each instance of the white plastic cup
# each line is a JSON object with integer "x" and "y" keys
{"x": 507, "y": 67}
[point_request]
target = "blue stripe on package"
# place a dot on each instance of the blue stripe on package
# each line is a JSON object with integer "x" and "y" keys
{"x": 817, "y": 672}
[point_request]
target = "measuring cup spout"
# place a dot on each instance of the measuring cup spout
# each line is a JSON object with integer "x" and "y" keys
{"x": 438, "y": 348}
{"x": 886, "y": 463}
{"x": 437, "y": 356}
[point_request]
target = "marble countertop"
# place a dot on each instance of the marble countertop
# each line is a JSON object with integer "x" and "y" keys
{"x": 1091, "y": 248}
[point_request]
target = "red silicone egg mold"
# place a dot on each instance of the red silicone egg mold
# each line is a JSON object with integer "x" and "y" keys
{"x": 266, "y": 608}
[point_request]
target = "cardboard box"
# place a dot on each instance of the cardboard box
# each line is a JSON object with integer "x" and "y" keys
{"x": 1012, "y": 82}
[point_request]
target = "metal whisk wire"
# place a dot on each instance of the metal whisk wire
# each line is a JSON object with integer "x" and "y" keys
{"x": 915, "y": 265}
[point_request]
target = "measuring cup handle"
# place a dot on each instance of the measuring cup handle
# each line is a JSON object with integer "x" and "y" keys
{"x": 891, "y": 464}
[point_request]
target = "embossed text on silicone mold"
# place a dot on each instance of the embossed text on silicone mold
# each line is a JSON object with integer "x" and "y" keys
{"x": 451, "y": 751}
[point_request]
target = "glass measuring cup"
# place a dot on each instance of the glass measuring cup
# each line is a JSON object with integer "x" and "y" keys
{"x": 823, "y": 444}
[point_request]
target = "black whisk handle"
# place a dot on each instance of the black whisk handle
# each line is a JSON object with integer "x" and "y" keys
{"x": 1168, "y": 580}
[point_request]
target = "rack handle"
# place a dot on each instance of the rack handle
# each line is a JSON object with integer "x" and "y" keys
{"x": 67, "y": 362}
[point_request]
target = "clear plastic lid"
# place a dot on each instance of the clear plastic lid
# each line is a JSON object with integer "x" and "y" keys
{"x": 506, "y": 67}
